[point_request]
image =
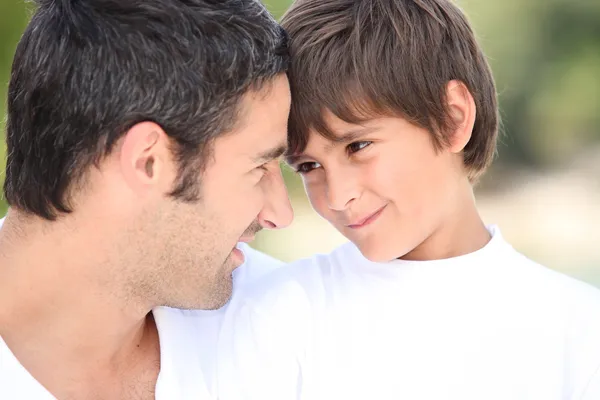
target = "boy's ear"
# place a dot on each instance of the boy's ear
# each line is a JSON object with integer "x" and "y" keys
{"x": 462, "y": 110}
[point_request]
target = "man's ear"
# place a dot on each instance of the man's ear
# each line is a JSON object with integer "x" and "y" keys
{"x": 462, "y": 110}
{"x": 145, "y": 158}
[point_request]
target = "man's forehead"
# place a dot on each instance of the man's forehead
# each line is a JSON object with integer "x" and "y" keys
{"x": 252, "y": 139}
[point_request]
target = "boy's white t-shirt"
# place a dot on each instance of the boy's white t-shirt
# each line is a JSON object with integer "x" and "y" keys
{"x": 188, "y": 341}
{"x": 489, "y": 325}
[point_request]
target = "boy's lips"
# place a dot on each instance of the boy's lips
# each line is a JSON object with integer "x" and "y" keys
{"x": 366, "y": 220}
{"x": 237, "y": 254}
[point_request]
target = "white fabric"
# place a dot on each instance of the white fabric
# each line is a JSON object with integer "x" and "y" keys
{"x": 188, "y": 338}
{"x": 15, "y": 382}
{"x": 187, "y": 346}
{"x": 489, "y": 325}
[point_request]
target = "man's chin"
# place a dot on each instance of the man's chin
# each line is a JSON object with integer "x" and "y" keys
{"x": 221, "y": 294}
{"x": 222, "y": 290}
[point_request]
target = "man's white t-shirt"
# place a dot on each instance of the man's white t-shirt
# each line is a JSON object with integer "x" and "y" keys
{"x": 490, "y": 325}
{"x": 188, "y": 341}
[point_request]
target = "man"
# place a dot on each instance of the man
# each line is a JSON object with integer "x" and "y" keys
{"x": 143, "y": 144}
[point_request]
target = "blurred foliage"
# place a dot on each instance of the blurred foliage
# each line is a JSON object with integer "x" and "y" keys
{"x": 14, "y": 15}
{"x": 544, "y": 54}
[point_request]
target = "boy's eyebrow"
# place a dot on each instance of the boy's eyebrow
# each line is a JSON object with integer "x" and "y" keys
{"x": 349, "y": 136}
{"x": 292, "y": 159}
{"x": 353, "y": 134}
{"x": 346, "y": 137}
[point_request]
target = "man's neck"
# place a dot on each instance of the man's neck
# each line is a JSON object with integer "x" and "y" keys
{"x": 78, "y": 336}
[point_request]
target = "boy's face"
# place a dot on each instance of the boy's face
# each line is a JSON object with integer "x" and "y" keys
{"x": 382, "y": 185}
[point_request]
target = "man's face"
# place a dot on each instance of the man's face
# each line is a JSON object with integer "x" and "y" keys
{"x": 383, "y": 185}
{"x": 242, "y": 191}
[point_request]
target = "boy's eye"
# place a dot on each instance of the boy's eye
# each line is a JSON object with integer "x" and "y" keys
{"x": 357, "y": 146}
{"x": 306, "y": 167}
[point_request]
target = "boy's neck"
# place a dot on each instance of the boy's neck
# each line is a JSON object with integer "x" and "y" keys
{"x": 461, "y": 232}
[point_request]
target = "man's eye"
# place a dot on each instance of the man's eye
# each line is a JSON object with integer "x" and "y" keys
{"x": 306, "y": 167}
{"x": 266, "y": 167}
{"x": 357, "y": 146}
{"x": 263, "y": 167}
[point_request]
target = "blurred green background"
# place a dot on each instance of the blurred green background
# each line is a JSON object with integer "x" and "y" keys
{"x": 544, "y": 188}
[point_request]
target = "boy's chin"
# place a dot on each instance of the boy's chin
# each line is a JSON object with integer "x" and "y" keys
{"x": 377, "y": 252}
{"x": 385, "y": 247}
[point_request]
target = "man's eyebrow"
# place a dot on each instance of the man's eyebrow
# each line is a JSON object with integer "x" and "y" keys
{"x": 270, "y": 154}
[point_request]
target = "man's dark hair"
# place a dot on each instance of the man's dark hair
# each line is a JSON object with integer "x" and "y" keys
{"x": 86, "y": 71}
{"x": 361, "y": 59}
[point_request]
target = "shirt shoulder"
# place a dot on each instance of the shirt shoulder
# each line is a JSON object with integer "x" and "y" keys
{"x": 546, "y": 282}
{"x": 15, "y": 381}
{"x": 556, "y": 304}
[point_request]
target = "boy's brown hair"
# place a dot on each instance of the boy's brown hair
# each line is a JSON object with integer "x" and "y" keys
{"x": 361, "y": 59}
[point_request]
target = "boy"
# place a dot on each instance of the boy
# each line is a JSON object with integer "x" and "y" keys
{"x": 394, "y": 117}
